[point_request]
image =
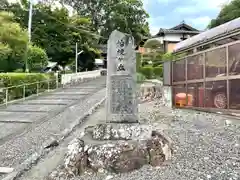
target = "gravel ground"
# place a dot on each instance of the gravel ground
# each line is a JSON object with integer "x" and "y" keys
{"x": 17, "y": 149}
{"x": 206, "y": 146}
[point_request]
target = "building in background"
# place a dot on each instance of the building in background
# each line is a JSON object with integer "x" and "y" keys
{"x": 168, "y": 38}
{"x": 207, "y": 75}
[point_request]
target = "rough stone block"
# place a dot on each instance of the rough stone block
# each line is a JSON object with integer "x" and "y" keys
{"x": 112, "y": 131}
{"x": 117, "y": 156}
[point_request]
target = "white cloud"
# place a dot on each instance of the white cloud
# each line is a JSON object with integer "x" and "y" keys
{"x": 154, "y": 30}
{"x": 152, "y": 23}
{"x": 213, "y": 4}
{"x": 201, "y": 5}
{"x": 200, "y": 21}
{"x": 188, "y": 12}
{"x": 166, "y": 1}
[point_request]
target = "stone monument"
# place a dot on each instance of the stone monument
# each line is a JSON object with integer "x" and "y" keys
{"x": 121, "y": 101}
{"x": 122, "y": 144}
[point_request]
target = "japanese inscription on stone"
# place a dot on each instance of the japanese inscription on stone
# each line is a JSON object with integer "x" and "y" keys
{"x": 122, "y": 96}
{"x": 121, "y": 85}
{"x": 120, "y": 55}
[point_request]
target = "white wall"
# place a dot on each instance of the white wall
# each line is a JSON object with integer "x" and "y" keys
{"x": 167, "y": 96}
{"x": 68, "y": 78}
{"x": 170, "y": 37}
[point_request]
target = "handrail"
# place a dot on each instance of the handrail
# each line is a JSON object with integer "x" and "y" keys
{"x": 65, "y": 79}
{"x": 5, "y": 98}
{"x": 27, "y": 84}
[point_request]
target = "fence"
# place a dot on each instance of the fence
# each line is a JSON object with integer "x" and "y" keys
{"x": 208, "y": 79}
{"x": 12, "y": 93}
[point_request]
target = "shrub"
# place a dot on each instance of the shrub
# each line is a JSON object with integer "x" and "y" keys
{"x": 147, "y": 71}
{"x": 15, "y": 82}
{"x": 19, "y": 71}
{"x": 37, "y": 58}
{"x": 157, "y": 63}
{"x": 140, "y": 77}
{"x": 158, "y": 71}
{"x": 138, "y": 62}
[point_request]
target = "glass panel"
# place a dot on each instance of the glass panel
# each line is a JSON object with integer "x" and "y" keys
{"x": 179, "y": 92}
{"x": 216, "y": 62}
{"x": 234, "y": 59}
{"x": 195, "y": 67}
{"x": 179, "y": 71}
{"x": 234, "y": 94}
{"x": 195, "y": 94}
{"x": 216, "y": 94}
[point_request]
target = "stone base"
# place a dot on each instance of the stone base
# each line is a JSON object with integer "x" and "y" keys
{"x": 116, "y": 148}
{"x": 151, "y": 90}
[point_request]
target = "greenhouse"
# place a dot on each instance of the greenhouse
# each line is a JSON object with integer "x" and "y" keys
{"x": 207, "y": 76}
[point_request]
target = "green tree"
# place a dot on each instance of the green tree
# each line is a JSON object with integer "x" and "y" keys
{"x": 55, "y": 31}
{"x": 37, "y": 58}
{"x": 228, "y": 12}
{"x": 107, "y": 15}
{"x": 156, "y": 50}
{"x": 13, "y": 42}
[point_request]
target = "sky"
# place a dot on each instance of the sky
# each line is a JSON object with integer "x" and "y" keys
{"x": 169, "y": 13}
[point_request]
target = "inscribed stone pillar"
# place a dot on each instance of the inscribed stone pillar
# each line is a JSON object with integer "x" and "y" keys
{"x": 121, "y": 100}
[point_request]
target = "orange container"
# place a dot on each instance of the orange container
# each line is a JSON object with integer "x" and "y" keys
{"x": 181, "y": 100}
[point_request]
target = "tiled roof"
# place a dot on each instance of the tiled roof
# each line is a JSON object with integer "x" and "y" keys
{"x": 209, "y": 35}
{"x": 177, "y": 31}
{"x": 181, "y": 28}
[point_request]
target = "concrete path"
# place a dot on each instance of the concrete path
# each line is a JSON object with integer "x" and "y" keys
{"x": 55, "y": 158}
{"x": 27, "y": 125}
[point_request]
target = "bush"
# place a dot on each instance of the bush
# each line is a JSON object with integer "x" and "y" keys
{"x": 140, "y": 77}
{"x": 15, "y": 82}
{"x": 138, "y": 62}
{"x": 158, "y": 71}
{"x": 157, "y": 63}
{"x": 147, "y": 71}
{"x": 37, "y": 58}
{"x": 19, "y": 71}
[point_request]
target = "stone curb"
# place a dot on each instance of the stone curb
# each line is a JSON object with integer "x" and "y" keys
{"x": 33, "y": 159}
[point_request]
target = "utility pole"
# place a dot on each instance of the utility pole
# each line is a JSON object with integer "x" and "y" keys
{"x": 29, "y": 33}
{"x": 76, "y": 58}
{"x": 30, "y": 21}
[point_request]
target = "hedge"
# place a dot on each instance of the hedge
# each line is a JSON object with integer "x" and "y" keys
{"x": 152, "y": 72}
{"x": 158, "y": 71}
{"x": 147, "y": 71}
{"x": 138, "y": 61}
{"x": 34, "y": 82}
{"x": 140, "y": 77}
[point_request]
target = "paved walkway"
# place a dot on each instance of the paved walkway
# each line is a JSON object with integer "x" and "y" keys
{"x": 27, "y": 125}
{"x": 56, "y": 157}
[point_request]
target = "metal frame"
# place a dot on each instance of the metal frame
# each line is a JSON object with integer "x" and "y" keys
{"x": 227, "y": 65}
{"x": 205, "y": 79}
{"x": 219, "y": 38}
{"x": 208, "y": 50}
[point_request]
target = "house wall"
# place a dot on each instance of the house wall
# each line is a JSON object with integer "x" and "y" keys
{"x": 170, "y": 37}
{"x": 170, "y": 47}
